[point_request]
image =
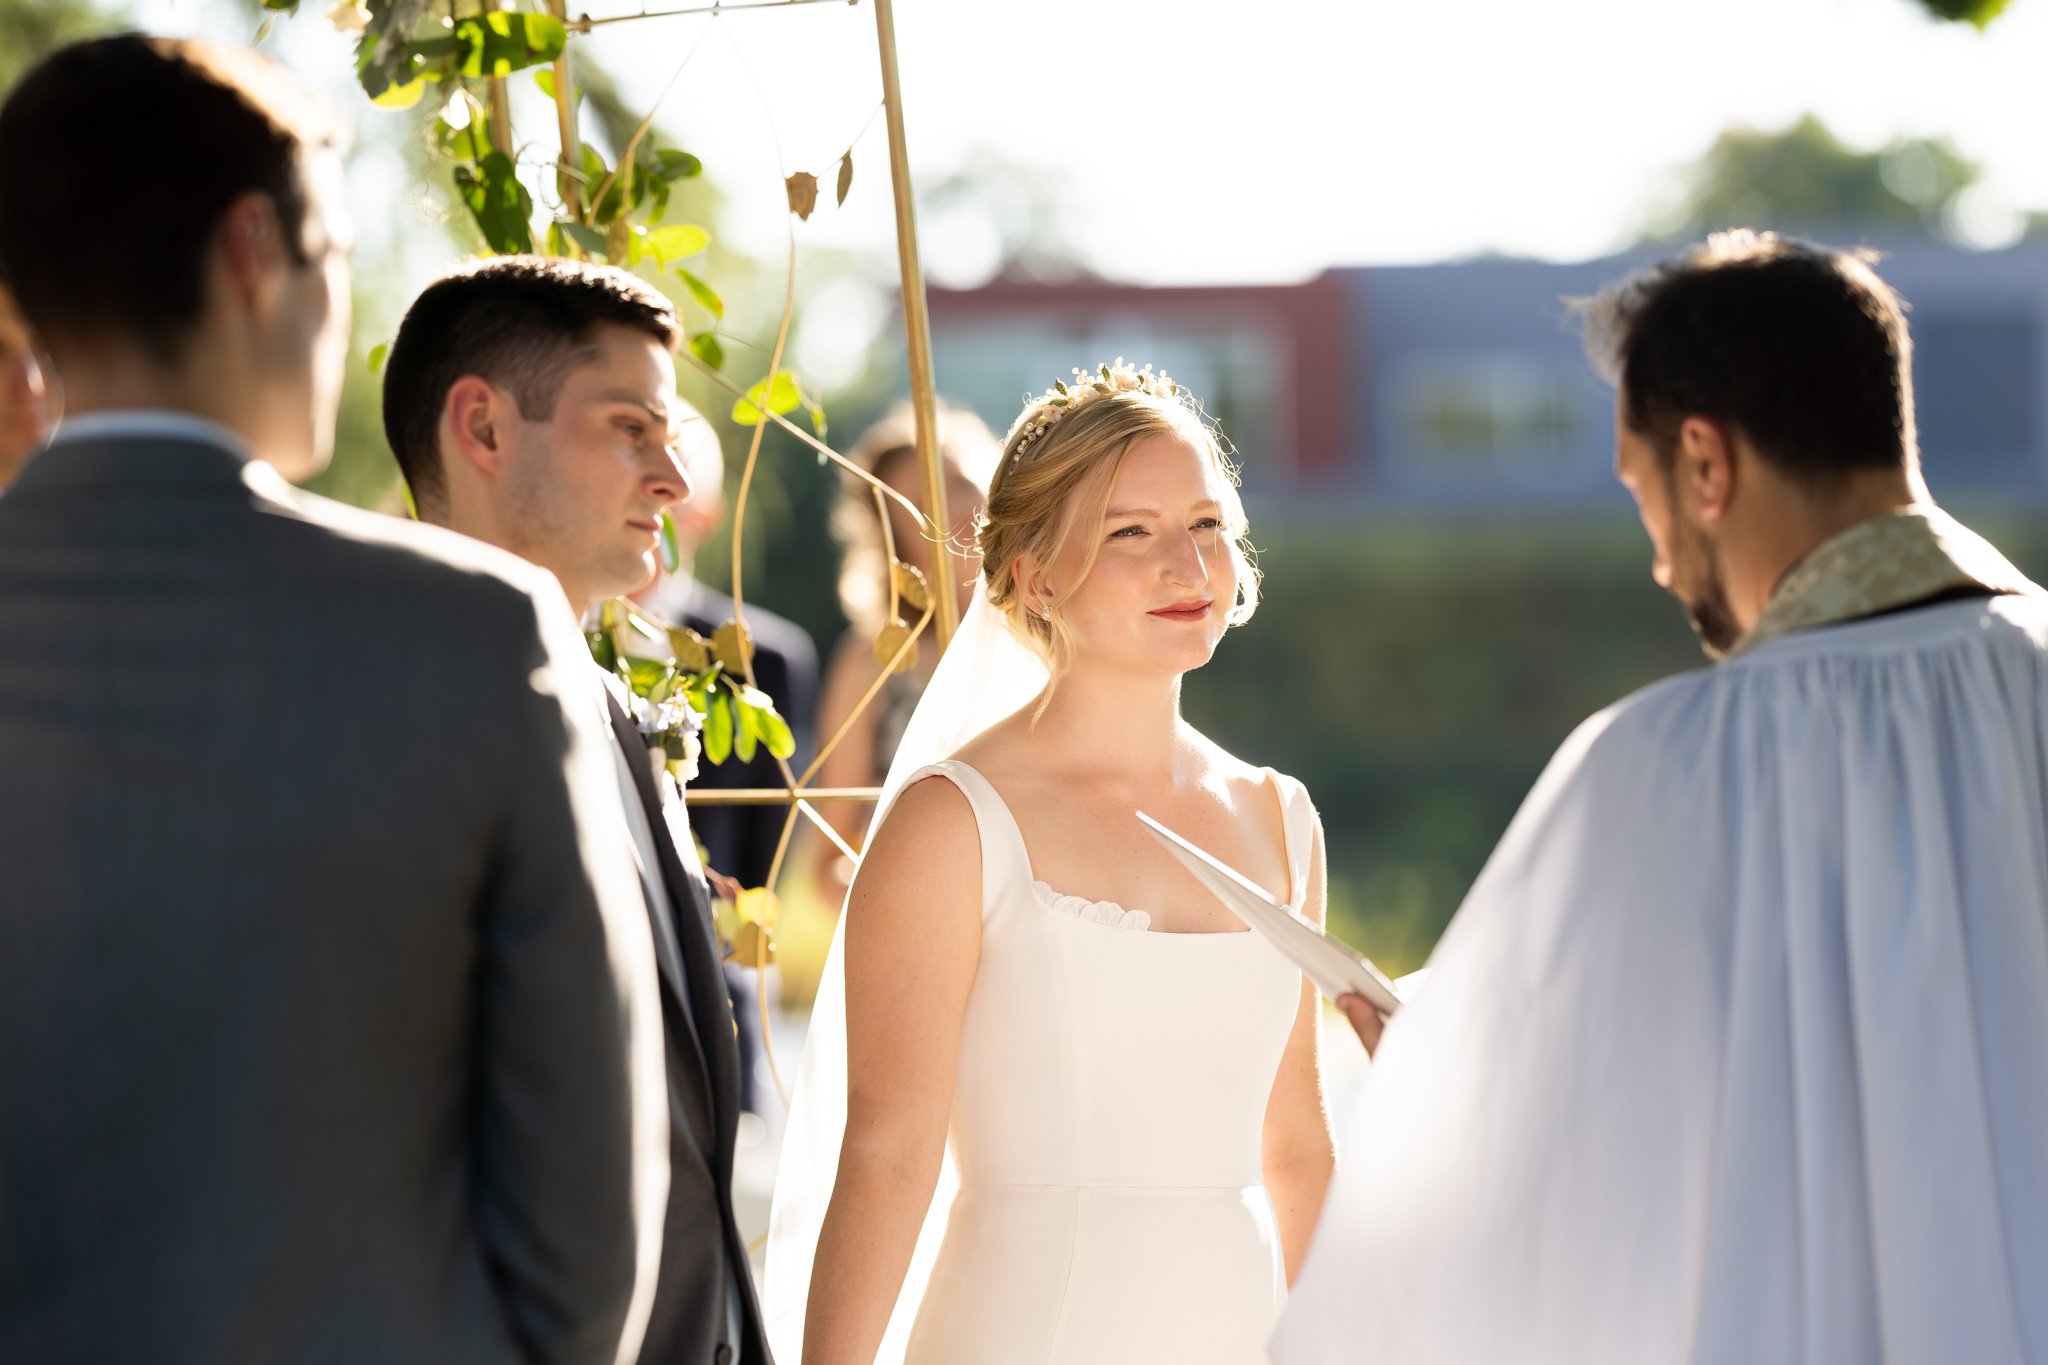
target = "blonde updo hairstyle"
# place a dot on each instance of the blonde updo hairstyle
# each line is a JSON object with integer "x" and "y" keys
{"x": 1059, "y": 463}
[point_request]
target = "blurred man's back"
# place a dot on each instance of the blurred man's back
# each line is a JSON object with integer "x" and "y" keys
{"x": 326, "y": 989}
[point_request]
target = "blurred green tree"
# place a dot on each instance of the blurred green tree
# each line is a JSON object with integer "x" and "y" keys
{"x": 1978, "y": 12}
{"x": 1804, "y": 178}
{"x": 30, "y": 29}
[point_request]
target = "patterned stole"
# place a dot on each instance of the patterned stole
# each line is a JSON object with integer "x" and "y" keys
{"x": 1881, "y": 565}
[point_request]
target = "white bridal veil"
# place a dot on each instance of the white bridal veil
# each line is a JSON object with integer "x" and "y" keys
{"x": 986, "y": 674}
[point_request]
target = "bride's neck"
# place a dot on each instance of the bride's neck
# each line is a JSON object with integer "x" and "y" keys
{"x": 1114, "y": 728}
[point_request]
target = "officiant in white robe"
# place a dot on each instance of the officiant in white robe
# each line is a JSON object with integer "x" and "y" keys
{"x": 1738, "y": 1049}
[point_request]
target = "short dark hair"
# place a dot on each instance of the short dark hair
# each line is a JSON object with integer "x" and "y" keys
{"x": 174, "y": 130}
{"x": 521, "y": 322}
{"x": 1801, "y": 348}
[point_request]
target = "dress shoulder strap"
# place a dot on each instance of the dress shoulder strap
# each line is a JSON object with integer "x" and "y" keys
{"x": 1298, "y": 825}
{"x": 1005, "y": 866}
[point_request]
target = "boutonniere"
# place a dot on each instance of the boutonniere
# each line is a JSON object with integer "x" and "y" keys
{"x": 690, "y": 696}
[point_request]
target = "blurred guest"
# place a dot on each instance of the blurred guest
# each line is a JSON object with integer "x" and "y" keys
{"x": 739, "y": 842}
{"x": 332, "y": 1033}
{"x": 532, "y": 404}
{"x": 739, "y": 839}
{"x": 1734, "y": 1052}
{"x": 25, "y": 412}
{"x": 968, "y": 451}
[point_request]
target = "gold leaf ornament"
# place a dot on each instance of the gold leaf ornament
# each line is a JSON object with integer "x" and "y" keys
{"x": 753, "y": 941}
{"x": 803, "y": 193}
{"x": 731, "y": 646}
{"x": 845, "y": 177}
{"x": 912, "y": 587}
{"x": 892, "y": 638}
{"x": 693, "y": 653}
{"x": 753, "y": 946}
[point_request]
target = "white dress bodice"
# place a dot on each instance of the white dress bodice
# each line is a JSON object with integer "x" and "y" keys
{"x": 1110, "y": 1097}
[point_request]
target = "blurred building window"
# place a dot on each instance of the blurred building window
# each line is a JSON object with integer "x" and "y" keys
{"x": 1492, "y": 419}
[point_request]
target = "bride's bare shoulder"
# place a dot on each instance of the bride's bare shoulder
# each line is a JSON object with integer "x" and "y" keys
{"x": 1220, "y": 769}
{"x": 1002, "y": 747}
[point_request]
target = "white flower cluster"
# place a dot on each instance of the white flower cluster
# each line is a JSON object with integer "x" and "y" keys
{"x": 657, "y": 722}
{"x": 657, "y": 718}
{"x": 1063, "y": 398}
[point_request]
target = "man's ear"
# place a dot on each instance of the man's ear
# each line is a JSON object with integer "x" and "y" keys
{"x": 251, "y": 253}
{"x": 1706, "y": 472}
{"x": 473, "y": 424}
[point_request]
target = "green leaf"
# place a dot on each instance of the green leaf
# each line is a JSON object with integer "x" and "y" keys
{"x": 602, "y": 649}
{"x": 748, "y": 732}
{"x": 643, "y": 674}
{"x": 718, "y": 727}
{"x": 705, "y": 347}
{"x": 500, "y": 204}
{"x": 377, "y": 354}
{"x": 595, "y": 173}
{"x": 778, "y": 393}
{"x": 677, "y": 240}
{"x": 544, "y": 79}
{"x": 401, "y": 96}
{"x": 671, "y": 544}
{"x": 775, "y": 733}
{"x": 706, "y": 297}
{"x": 504, "y": 41}
{"x": 589, "y": 238}
{"x": 558, "y": 245}
{"x": 817, "y": 412}
{"x": 677, "y": 165}
{"x": 1977, "y": 12}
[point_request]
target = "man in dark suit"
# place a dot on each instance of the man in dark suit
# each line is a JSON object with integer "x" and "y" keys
{"x": 531, "y": 404}
{"x": 739, "y": 841}
{"x": 332, "y": 1029}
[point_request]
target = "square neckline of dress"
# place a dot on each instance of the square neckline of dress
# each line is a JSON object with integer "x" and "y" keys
{"x": 1041, "y": 890}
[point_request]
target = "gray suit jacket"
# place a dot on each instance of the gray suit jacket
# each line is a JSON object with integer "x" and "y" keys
{"x": 705, "y": 1309}
{"x": 321, "y": 958}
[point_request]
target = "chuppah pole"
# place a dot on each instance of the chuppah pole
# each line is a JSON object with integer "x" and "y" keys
{"x": 917, "y": 331}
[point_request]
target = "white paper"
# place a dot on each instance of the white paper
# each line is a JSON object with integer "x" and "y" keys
{"x": 1334, "y": 967}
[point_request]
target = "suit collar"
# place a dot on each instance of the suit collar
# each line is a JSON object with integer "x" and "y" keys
{"x": 148, "y": 424}
{"x": 92, "y": 463}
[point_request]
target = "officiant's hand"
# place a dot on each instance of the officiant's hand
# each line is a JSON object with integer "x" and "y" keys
{"x": 1366, "y": 1021}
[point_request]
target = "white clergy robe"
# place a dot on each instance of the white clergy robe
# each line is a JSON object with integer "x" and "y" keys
{"x": 1738, "y": 1049}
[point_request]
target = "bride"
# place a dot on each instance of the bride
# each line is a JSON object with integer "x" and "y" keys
{"x": 1119, "y": 1079}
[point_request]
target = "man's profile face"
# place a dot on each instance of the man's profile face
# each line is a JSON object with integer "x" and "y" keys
{"x": 1685, "y": 561}
{"x": 583, "y": 491}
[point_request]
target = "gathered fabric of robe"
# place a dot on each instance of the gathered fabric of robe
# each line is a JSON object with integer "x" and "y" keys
{"x": 1738, "y": 1049}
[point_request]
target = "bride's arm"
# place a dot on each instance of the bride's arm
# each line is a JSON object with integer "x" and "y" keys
{"x": 913, "y": 941}
{"x": 1299, "y": 1151}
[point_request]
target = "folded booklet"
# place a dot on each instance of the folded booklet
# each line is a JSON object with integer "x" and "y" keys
{"x": 1335, "y": 968}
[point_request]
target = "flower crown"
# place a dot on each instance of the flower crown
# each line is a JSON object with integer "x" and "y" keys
{"x": 1063, "y": 398}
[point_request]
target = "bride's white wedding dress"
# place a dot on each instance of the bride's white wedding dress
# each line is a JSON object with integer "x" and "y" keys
{"x": 1111, "y": 1092}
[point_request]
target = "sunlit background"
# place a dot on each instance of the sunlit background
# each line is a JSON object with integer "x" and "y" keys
{"x": 1351, "y": 229}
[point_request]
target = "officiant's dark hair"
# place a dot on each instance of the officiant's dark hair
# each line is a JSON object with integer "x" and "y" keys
{"x": 521, "y": 322}
{"x": 119, "y": 157}
{"x": 1801, "y": 348}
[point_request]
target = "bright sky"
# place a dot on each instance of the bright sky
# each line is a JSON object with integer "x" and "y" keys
{"x": 1202, "y": 141}
{"x": 1194, "y": 140}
